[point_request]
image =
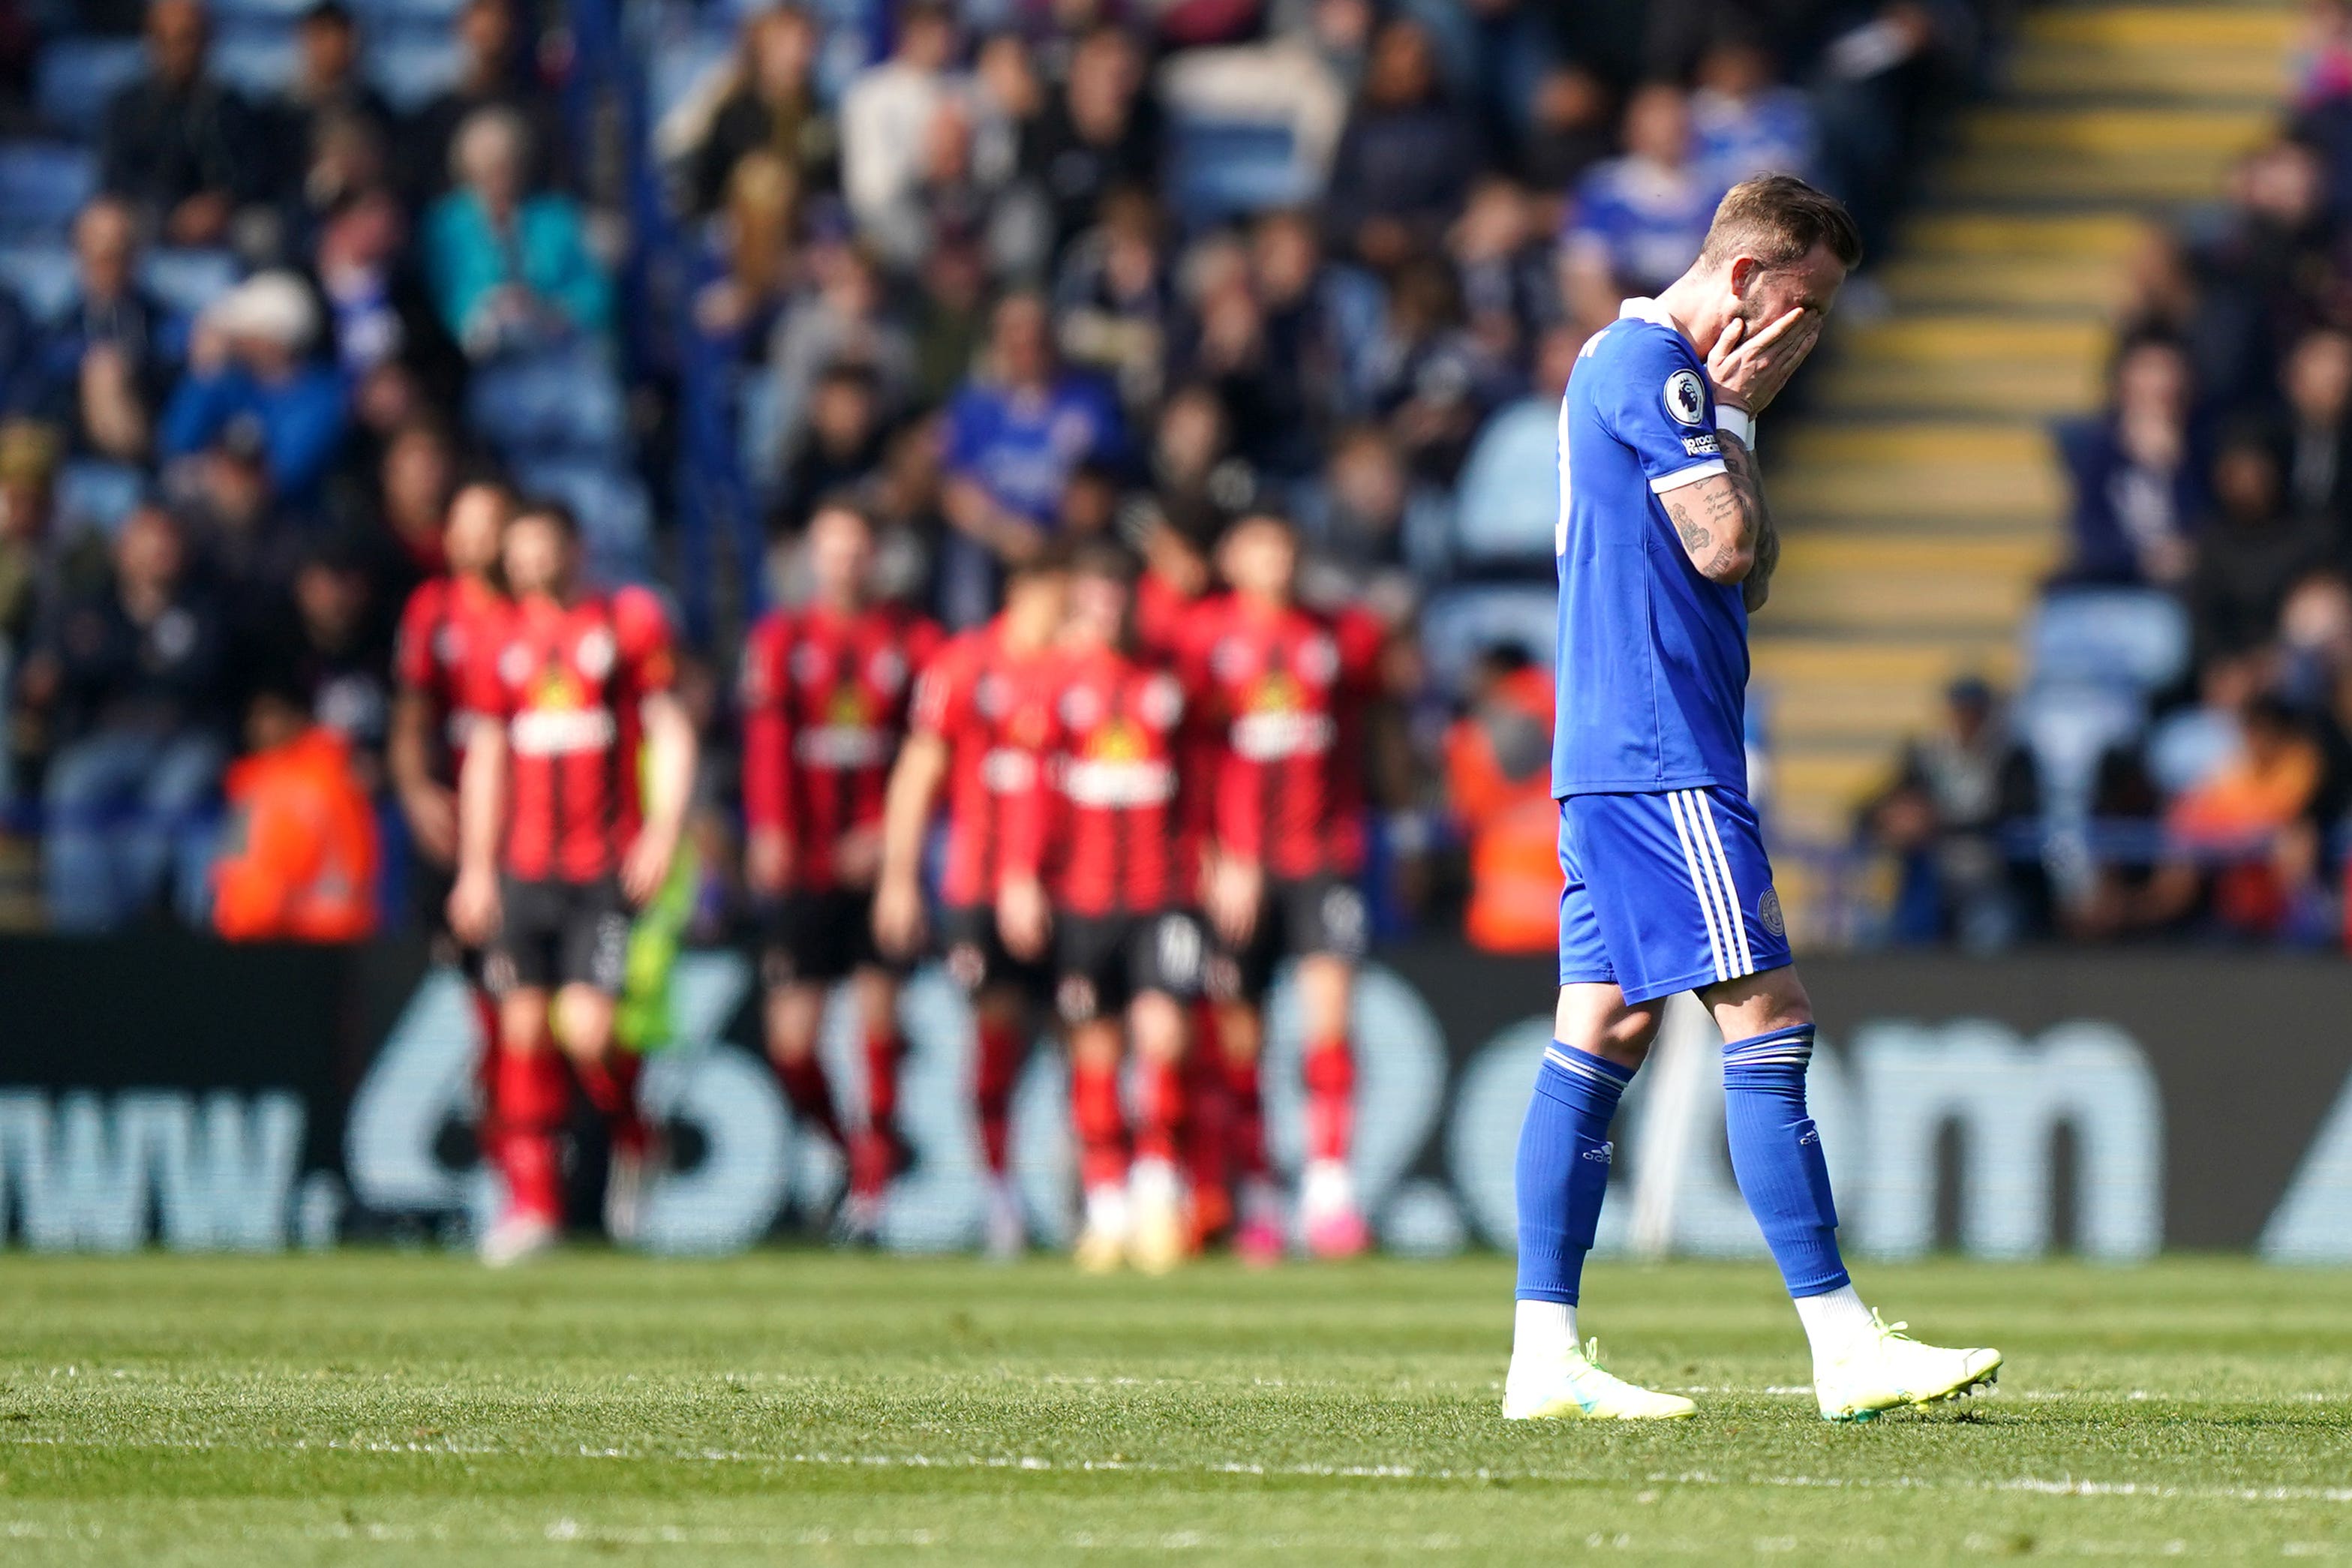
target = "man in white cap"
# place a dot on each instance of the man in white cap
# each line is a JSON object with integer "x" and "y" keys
{"x": 251, "y": 359}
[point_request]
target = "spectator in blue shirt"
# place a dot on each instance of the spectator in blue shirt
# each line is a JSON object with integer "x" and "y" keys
{"x": 250, "y": 363}
{"x": 1638, "y": 221}
{"x": 1747, "y": 122}
{"x": 1014, "y": 436}
{"x": 510, "y": 269}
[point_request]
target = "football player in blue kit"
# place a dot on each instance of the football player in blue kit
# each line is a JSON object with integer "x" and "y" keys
{"x": 1664, "y": 549}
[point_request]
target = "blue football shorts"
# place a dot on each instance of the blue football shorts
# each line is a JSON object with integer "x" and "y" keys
{"x": 1666, "y": 892}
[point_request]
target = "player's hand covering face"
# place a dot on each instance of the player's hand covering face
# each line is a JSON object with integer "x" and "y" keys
{"x": 1775, "y": 326}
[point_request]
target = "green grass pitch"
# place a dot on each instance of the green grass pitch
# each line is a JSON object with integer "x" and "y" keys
{"x": 806, "y": 1408}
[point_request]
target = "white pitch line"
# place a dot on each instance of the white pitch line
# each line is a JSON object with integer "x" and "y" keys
{"x": 2070, "y": 1487}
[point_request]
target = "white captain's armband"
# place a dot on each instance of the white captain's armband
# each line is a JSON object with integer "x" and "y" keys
{"x": 1737, "y": 422}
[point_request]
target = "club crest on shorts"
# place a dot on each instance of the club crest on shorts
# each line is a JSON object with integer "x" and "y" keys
{"x": 1768, "y": 913}
{"x": 1686, "y": 396}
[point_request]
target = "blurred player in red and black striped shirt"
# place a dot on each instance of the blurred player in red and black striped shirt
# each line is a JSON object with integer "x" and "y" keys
{"x": 558, "y": 841}
{"x": 446, "y": 619}
{"x": 1127, "y": 952}
{"x": 825, "y": 692}
{"x": 1284, "y": 689}
{"x": 982, "y": 714}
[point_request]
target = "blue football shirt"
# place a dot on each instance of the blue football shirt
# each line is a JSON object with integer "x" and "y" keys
{"x": 1653, "y": 658}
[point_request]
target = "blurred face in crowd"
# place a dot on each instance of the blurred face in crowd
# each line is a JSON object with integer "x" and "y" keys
{"x": 1657, "y": 125}
{"x": 1259, "y": 557}
{"x": 537, "y": 551}
{"x": 331, "y": 599}
{"x": 272, "y": 720}
{"x": 176, "y": 36}
{"x": 1021, "y": 343}
{"x": 1105, "y": 75}
{"x": 841, "y": 554}
{"x": 1034, "y": 603}
{"x": 417, "y": 471}
{"x": 2246, "y": 481}
{"x": 1368, "y": 480}
{"x": 1736, "y": 69}
{"x": 1402, "y": 71}
{"x": 784, "y": 52}
{"x": 488, "y": 30}
{"x": 331, "y": 51}
{"x": 1098, "y": 601}
{"x": 1089, "y": 504}
{"x": 2319, "y": 379}
{"x": 488, "y": 157}
{"x": 2283, "y": 184}
{"x": 842, "y": 415}
{"x": 148, "y": 552}
{"x": 2152, "y": 380}
{"x": 1192, "y": 436}
{"x": 1556, "y": 359}
{"x": 1286, "y": 254}
{"x": 106, "y": 245}
{"x": 947, "y": 145}
{"x": 470, "y": 540}
{"x": 927, "y": 39}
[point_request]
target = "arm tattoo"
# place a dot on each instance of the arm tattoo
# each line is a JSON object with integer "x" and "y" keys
{"x": 1741, "y": 463}
{"x": 1695, "y": 534}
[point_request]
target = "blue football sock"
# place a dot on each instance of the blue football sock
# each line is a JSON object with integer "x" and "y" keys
{"x": 1776, "y": 1152}
{"x": 1563, "y": 1169}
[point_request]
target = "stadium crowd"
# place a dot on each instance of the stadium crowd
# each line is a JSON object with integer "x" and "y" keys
{"x": 281, "y": 279}
{"x": 2179, "y": 760}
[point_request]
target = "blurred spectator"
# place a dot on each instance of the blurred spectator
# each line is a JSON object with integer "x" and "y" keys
{"x": 41, "y": 565}
{"x": 754, "y": 235}
{"x": 841, "y": 321}
{"x": 1013, "y": 436}
{"x": 1746, "y": 121}
{"x": 497, "y": 74}
{"x": 843, "y": 443}
{"x": 2249, "y": 549}
{"x": 1509, "y": 495}
{"x": 334, "y": 649}
{"x": 1372, "y": 528}
{"x": 1637, "y": 220}
{"x": 103, "y": 365}
{"x": 770, "y": 106}
{"x": 890, "y": 116}
{"x": 415, "y": 480}
{"x": 951, "y": 199}
{"x": 1406, "y": 158}
{"x": 2253, "y": 818}
{"x": 133, "y": 676}
{"x": 510, "y": 266}
{"x": 1114, "y": 299}
{"x": 2317, "y": 383}
{"x": 1498, "y": 782}
{"x": 379, "y": 309}
{"x": 1888, "y": 67}
{"x": 1954, "y": 792}
{"x": 1101, "y": 131}
{"x": 1571, "y": 125}
{"x": 1433, "y": 381}
{"x": 2137, "y": 479}
{"x": 178, "y": 144}
{"x": 1301, "y": 372}
{"x": 2268, "y": 275}
{"x": 1510, "y": 286}
{"x": 328, "y": 94}
{"x": 299, "y": 854}
{"x": 250, "y": 363}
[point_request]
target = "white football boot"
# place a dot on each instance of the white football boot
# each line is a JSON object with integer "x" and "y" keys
{"x": 1573, "y": 1388}
{"x": 517, "y": 1238}
{"x": 1889, "y": 1369}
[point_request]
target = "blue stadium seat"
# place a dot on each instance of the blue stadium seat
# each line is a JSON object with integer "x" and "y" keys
{"x": 1224, "y": 168}
{"x": 1459, "y": 623}
{"x": 232, "y": 13}
{"x": 614, "y": 512}
{"x": 43, "y": 185}
{"x": 563, "y": 403}
{"x": 442, "y": 12}
{"x": 412, "y": 68}
{"x": 259, "y": 62}
{"x": 2068, "y": 725}
{"x": 185, "y": 281}
{"x": 75, "y": 78}
{"x": 2133, "y": 636}
{"x": 98, "y": 494}
{"x": 1510, "y": 488}
{"x": 41, "y": 273}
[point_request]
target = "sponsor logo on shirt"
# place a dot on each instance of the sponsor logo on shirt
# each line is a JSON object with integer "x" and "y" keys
{"x": 1704, "y": 446}
{"x": 1686, "y": 396}
{"x": 561, "y": 731}
{"x": 1006, "y": 771}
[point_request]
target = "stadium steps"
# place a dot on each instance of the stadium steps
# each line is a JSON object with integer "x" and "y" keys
{"x": 1920, "y": 496}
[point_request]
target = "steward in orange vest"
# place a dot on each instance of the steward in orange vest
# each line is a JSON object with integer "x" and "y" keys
{"x": 1498, "y": 778}
{"x": 300, "y": 861}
